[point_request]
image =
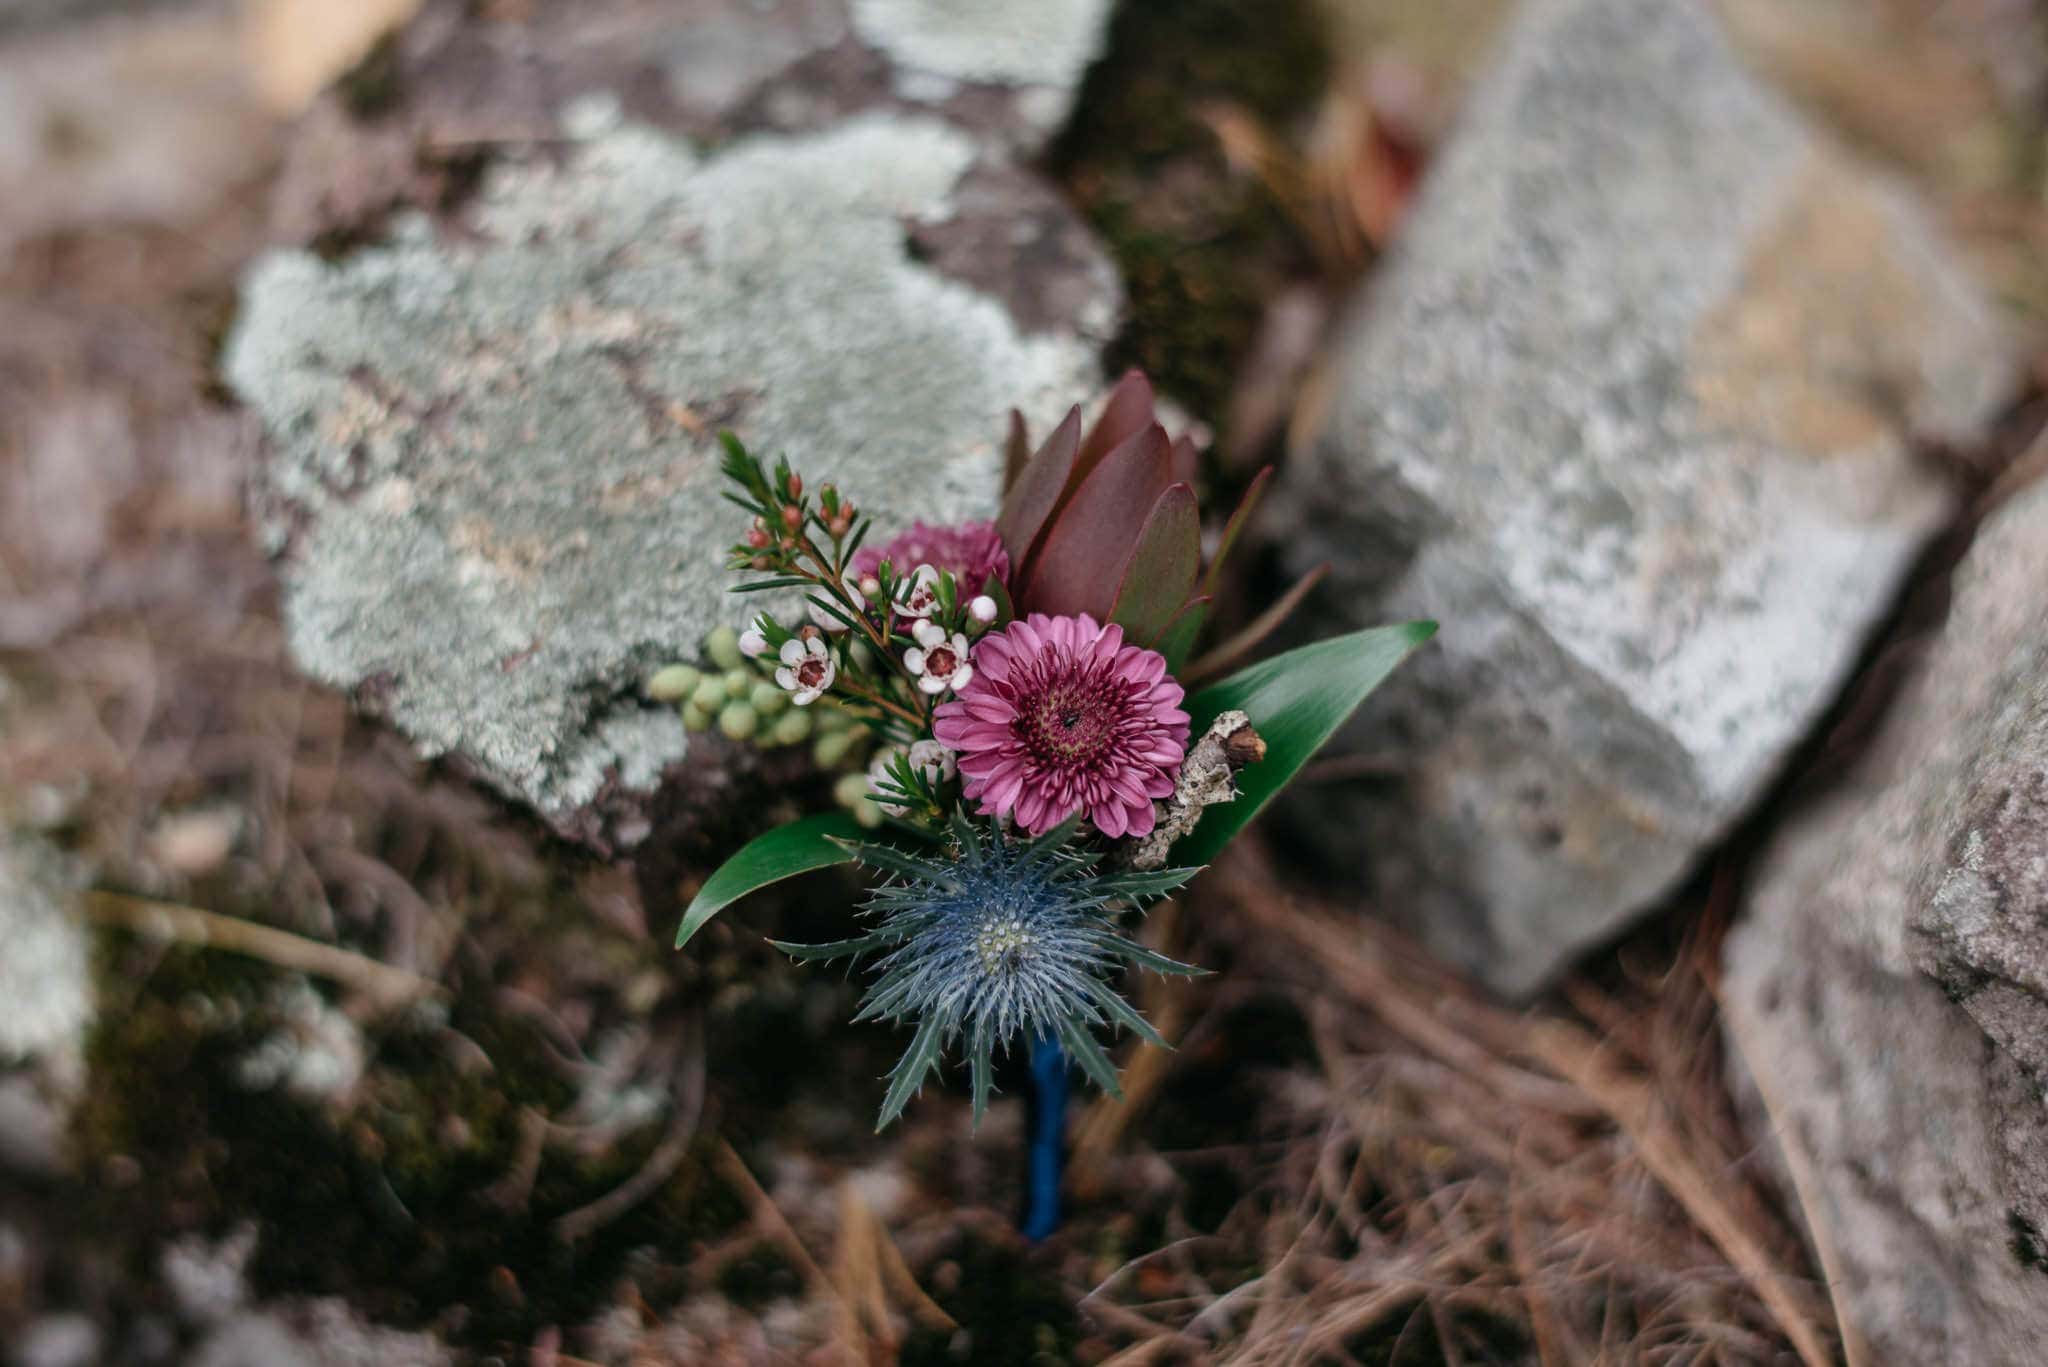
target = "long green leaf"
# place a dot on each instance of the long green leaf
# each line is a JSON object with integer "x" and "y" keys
{"x": 784, "y": 852}
{"x": 1296, "y": 701}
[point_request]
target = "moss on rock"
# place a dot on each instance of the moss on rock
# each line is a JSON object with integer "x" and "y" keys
{"x": 1201, "y": 249}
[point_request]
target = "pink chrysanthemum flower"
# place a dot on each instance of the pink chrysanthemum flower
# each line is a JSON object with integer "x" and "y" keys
{"x": 972, "y": 551}
{"x": 1062, "y": 717}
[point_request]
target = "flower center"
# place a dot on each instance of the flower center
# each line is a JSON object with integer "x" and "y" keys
{"x": 811, "y": 673}
{"x": 1001, "y": 942}
{"x": 1069, "y": 725}
{"x": 942, "y": 661}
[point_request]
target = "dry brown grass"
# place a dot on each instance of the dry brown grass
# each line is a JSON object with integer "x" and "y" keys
{"x": 1560, "y": 1185}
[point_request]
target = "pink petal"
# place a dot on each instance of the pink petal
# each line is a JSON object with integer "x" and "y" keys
{"x": 988, "y": 707}
{"x": 1110, "y": 818}
{"x": 1142, "y": 819}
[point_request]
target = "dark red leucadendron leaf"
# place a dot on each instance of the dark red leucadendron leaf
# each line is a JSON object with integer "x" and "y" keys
{"x": 1017, "y": 450}
{"x": 1081, "y": 559}
{"x": 1128, "y": 412}
{"x": 1162, "y": 569}
{"x": 1090, "y": 526}
{"x": 1037, "y": 491}
{"x": 1185, "y": 459}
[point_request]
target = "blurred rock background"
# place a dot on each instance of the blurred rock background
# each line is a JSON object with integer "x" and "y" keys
{"x": 1653, "y": 975}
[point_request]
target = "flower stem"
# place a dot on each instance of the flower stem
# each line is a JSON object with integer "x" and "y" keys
{"x": 894, "y": 709}
{"x": 1045, "y": 1152}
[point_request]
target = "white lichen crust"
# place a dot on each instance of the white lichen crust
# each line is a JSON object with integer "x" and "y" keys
{"x": 1047, "y": 44}
{"x": 1207, "y": 776}
{"x": 494, "y": 450}
{"x": 44, "y": 974}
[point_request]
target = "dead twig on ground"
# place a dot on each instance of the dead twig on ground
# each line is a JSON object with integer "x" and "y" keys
{"x": 387, "y": 986}
{"x": 685, "y": 1111}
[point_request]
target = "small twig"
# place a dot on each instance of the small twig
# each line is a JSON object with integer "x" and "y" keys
{"x": 668, "y": 1155}
{"x": 1856, "y": 1349}
{"x": 1542, "y": 1322}
{"x": 1576, "y": 1057}
{"x": 775, "y": 1225}
{"x": 512, "y": 1191}
{"x": 1222, "y": 657}
{"x": 388, "y": 986}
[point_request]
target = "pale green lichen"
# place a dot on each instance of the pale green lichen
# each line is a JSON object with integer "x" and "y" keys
{"x": 499, "y": 447}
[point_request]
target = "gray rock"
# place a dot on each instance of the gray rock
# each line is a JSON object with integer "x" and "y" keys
{"x": 1630, "y": 412}
{"x": 1042, "y": 48}
{"x": 1007, "y": 73}
{"x": 495, "y": 455}
{"x": 44, "y": 973}
{"x": 145, "y": 115}
{"x": 1889, "y": 987}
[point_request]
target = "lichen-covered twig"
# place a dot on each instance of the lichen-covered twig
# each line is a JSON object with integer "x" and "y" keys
{"x": 1207, "y": 776}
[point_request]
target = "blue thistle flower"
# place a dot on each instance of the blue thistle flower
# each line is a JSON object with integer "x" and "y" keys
{"x": 995, "y": 941}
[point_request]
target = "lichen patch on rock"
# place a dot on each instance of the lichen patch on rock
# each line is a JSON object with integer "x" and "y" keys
{"x": 493, "y": 453}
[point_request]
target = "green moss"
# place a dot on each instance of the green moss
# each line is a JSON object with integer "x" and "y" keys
{"x": 1201, "y": 250}
{"x": 388, "y": 1204}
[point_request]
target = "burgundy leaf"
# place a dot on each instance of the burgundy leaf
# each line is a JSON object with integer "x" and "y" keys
{"x": 1128, "y": 412}
{"x": 1016, "y": 450}
{"x": 1184, "y": 459}
{"x": 1080, "y": 561}
{"x": 1036, "y": 492}
{"x": 1162, "y": 568}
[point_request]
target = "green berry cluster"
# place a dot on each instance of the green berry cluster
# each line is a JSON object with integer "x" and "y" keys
{"x": 741, "y": 698}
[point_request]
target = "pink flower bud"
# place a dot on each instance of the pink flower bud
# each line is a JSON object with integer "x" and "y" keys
{"x": 982, "y": 609}
{"x": 753, "y": 644}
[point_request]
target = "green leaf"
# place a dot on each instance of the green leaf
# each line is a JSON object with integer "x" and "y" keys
{"x": 1082, "y": 1048}
{"x": 1142, "y": 885}
{"x": 1296, "y": 701}
{"x": 906, "y": 1079}
{"x": 837, "y": 949}
{"x": 768, "y": 858}
{"x": 1006, "y": 608}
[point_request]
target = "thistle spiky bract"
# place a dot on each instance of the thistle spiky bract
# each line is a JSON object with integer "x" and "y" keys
{"x": 993, "y": 941}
